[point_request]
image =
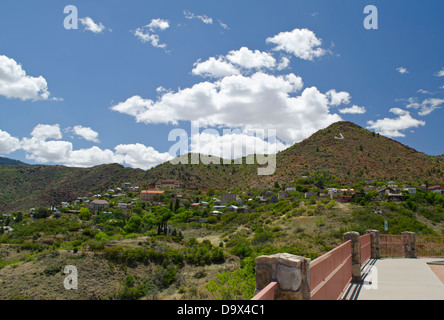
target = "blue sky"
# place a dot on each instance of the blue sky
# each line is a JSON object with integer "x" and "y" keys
{"x": 113, "y": 89}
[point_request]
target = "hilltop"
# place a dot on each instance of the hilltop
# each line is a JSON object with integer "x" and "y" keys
{"x": 344, "y": 153}
{"x": 352, "y": 154}
{"x": 11, "y": 162}
{"x": 23, "y": 187}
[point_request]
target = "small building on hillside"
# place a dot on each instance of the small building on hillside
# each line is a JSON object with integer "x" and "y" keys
{"x": 124, "y": 206}
{"x": 97, "y": 204}
{"x": 308, "y": 195}
{"x": 387, "y": 190}
{"x": 228, "y": 197}
{"x": 410, "y": 190}
{"x": 439, "y": 188}
{"x": 283, "y": 195}
{"x": 169, "y": 184}
{"x": 150, "y": 195}
{"x": 344, "y": 198}
{"x": 395, "y": 197}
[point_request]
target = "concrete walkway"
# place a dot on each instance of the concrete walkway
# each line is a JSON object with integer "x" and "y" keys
{"x": 397, "y": 279}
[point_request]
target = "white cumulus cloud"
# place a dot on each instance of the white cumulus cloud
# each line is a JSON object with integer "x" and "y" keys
{"x": 302, "y": 43}
{"x": 15, "y": 83}
{"x": 215, "y": 68}
{"x": 45, "y": 146}
{"x": 86, "y": 133}
{"x": 251, "y": 59}
{"x": 234, "y": 144}
{"x": 8, "y": 143}
{"x": 353, "y": 110}
{"x": 91, "y": 157}
{"x": 392, "y": 127}
{"x": 338, "y": 98}
{"x": 248, "y": 102}
{"x": 141, "y": 156}
{"x": 46, "y": 131}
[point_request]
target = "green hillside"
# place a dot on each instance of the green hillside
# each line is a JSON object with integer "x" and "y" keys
{"x": 344, "y": 153}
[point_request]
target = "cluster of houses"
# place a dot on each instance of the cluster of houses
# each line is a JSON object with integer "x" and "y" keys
{"x": 233, "y": 202}
{"x": 391, "y": 192}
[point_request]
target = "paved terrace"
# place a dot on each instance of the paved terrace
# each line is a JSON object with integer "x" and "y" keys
{"x": 399, "y": 279}
{"x": 413, "y": 269}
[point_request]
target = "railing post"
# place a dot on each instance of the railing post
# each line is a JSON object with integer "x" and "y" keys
{"x": 292, "y": 273}
{"x": 356, "y": 254}
{"x": 409, "y": 242}
{"x": 375, "y": 243}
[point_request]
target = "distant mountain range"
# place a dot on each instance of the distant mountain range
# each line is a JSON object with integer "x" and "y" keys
{"x": 345, "y": 151}
{"x": 11, "y": 162}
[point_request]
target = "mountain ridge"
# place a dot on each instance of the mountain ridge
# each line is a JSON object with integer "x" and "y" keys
{"x": 344, "y": 151}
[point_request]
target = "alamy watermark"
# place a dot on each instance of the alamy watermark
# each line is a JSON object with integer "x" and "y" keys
{"x": 371, "y": 21}
{"x": 257, "y": 147}
{"x": 371, "y": 279}
{"x": 70, "y": 282}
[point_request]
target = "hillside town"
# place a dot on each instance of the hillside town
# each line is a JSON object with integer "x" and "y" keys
{"x": 208, "y": 205}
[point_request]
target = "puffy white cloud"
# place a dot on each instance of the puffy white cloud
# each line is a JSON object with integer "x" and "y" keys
{"x": 338, "y": 98}
{"x": 302, "y": 43}
{"x": 8, "y": 143}
{"x": 251, "y": 59}
{"x": 135, "y": 106}
{"x": 140, "y": 156}
{"x": 86, "y": 133}
{"x": 15, "y": 83}
{"x": 248, "y": 102}
{"x": 91, "y": 157}
{"x": 392, "y": 127}
{"x": 244, "y": 59}
{"x": 43, "y": 151}
{"x": 90, "y": 25}
{"x": 283, "y": 64}
{"x": 402, "y": 70}
{"x": 46, "y": 131}
{"x": 353, "y": 110}
{"x": 216, "y": 68}
{"x": 234, "y": 144}
{"x": 158, "y": 24}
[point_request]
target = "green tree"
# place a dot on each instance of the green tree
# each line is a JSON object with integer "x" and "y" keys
{"x": 85, "y": 214}
{"x": 133, "y": 225}
{"x": 42, "y": 212}
{"x": 237, "y": 285}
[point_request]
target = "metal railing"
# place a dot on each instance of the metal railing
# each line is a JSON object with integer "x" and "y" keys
{"x": 267, "y": 293}
{"x": 331, "y": 273}
{"x": 430, "y": 246}
{"x": 366, "y": 249}
{"x": 391, "y": 246}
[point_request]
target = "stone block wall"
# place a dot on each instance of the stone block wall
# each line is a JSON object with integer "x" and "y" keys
{"x": 292, "y": 273}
